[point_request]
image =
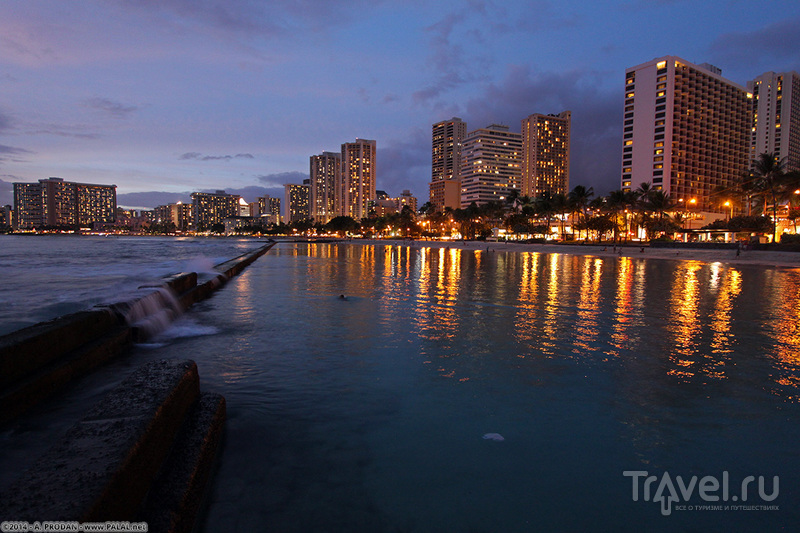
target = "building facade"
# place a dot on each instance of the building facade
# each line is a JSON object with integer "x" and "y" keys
{"x": 491, "y": 165}
{"x": 325, "y": 172}
{"x": 686, "y": 131}
{"x": 209, "y": 209}
{"x": 270, "y": 208}
{"x": 776, "y": 117}
{"x": 356, "y": 189}
{"x": 54, "y": 202}
{"x": 447, "y": 138}
{"x": 179, "y": 214}
{"x": 545, "y": 161}
{"x": 297, "y": 205}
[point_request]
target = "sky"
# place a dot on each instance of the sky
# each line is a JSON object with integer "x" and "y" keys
{"x": 165, "y": 97}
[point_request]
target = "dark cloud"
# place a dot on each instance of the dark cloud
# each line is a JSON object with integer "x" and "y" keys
{"x": 5, "y": 122}
{"x": 151, "y": 199}
{"x": 282, "y": 178}
{"x": 200, "y": 157}
{"x": 6, "y": 191}
{"x": 405, "y": 164}
{"x": 596, "y": 118}
{"x": 115, "y": 109}
{"x": 6, "y": 151}
{"x": 775, "y": 44}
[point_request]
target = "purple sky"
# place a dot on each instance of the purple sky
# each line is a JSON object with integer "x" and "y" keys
{"x": 163, "y": 97}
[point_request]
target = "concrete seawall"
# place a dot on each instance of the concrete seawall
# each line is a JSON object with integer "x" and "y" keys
{"x": 143, "y": 453}
{"x": 35, "y": 362}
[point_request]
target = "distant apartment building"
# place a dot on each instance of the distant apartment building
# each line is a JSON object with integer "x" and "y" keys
{"x": 686, "y": 131}
{"x": 447, "y": 138}
{"x": 776, "y": 117}
{"x": 179, "y": 214}
{"x": 325, "y": 173}
{"x": 54, "y": 202}
{"x": 545, "y": 161}
{"x": 491, "y": 160}
{"x": 406, "y": 199}
{"x": 356, "y": 189}
{"x": 269, "y": 208}
{"x": 296, "y": 197}
{"x": 209, "y": 209}
{"x": 6, "y": 216}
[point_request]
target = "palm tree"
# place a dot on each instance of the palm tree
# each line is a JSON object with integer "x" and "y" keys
{"x": 768, "y": 171}
{"x": 579, "y": 199}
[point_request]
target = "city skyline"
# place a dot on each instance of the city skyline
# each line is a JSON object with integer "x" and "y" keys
{"x": 171, "y": 98}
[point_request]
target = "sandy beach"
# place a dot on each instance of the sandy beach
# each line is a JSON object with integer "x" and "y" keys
{"x": 746, "y": 257}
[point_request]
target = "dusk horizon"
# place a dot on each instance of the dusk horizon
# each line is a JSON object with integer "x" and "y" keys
{"x": 163, "y": 100}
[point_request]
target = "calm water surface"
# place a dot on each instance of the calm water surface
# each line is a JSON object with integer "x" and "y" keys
{"x": 369, "y": 414}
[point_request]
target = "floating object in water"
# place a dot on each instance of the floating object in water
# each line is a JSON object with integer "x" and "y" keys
{"x": 342, "y": 297}
{"x": 494, "y": 436}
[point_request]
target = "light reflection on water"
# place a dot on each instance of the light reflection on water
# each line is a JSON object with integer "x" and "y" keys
{"x": 369, "y": 413}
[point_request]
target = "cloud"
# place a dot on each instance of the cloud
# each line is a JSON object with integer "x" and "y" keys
{"x": 151, "y": 199}
{"x": 405, "y": 164}
{"x": 115, "y": 109}
{"x": 6, "y": 192}
{"x": 596, "y": 117}
{"x": 11, "y": 151}
{"x": 200, "y": 157}
{"x": 776, "y": 43}
{"x": 282, "y": 178}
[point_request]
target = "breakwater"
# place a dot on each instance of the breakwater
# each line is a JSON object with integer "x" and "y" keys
{"x": 154, "y": 434}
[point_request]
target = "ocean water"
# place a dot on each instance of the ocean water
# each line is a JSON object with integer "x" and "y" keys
{"x": 376, "y": 412}
{"x": 53, "y": 275}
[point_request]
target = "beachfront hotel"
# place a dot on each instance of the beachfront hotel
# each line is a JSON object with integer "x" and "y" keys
{"x": 209, "y": 209}
{"x": 686, "y": 131}
{"x": 776, "y": 117}
{"x": 55, "y": 202}
{"x": 325, "y": 171}
{"x": 491, "y": 160}
{"x": 297, "y": 207}
{"x": 356, "y": 188}
{"x": 179, "y": 214}
{"x": 447, "y": 139}
{"x": 545, "y": 147}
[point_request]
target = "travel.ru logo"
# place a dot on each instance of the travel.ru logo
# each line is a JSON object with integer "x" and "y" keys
{"x": 708, "y": 488}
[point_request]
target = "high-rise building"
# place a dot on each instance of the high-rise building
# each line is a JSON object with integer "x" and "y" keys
{"x": 447, "y": 138}
{"x": 545, "y": 161}
{"x": 776, "y": 116}
{"x": 296, "y": 197}
{"x": 356, "y": 189}
{"x": 58, "y": 203}
{"x": 686, "y": 131}
{"x": 325, "y": 172}
{"x": 179, "y": 214}
{"x": 209, "y": 209}
{"x": 270, "y": 208}
{"x": 491, "y": 160}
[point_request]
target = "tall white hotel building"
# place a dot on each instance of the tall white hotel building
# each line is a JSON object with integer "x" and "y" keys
{"x": 776, "y": 116}
{"x": 686, "y": 130}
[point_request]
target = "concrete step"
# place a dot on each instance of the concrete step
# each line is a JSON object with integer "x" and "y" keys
{"x": 105, "y": 465}
{"x": 178, "y": 493}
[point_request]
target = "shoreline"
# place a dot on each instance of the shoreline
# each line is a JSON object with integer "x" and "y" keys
{"x": 746, "y": 257}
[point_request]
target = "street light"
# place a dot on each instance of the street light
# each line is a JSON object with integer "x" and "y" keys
{"x": 730, "y": 207}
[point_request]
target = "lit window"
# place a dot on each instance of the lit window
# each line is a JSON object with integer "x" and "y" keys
{"x": 661, "y": 64}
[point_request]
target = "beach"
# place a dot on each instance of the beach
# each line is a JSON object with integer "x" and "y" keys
{"x": 745, "y": 257}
